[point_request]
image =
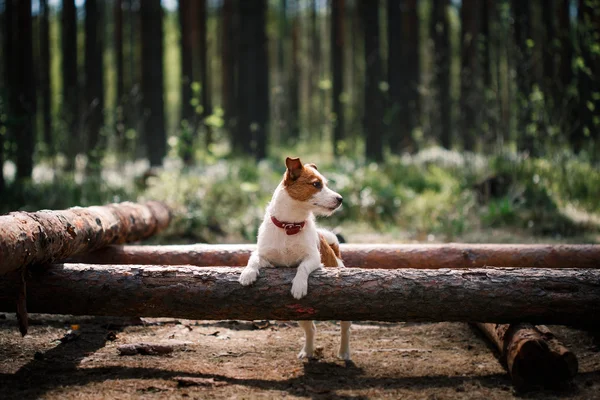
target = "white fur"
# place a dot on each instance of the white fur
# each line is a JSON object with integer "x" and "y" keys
{"x": 276, "y": 248}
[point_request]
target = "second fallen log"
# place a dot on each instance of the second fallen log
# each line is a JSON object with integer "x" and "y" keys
{"x": 501, "y": 295}
{"x": 46, "y": 236}
{"x": 532, "y": 354}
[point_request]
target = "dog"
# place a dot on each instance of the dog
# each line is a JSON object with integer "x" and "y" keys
{"x": 288, "y": 236}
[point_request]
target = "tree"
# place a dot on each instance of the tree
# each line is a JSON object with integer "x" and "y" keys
{"x": 294, "y": 71}
{"x": 337, "y": 71}
{"x": 373, "y": 118}
{"x": 521, "y": 28}
{"x": 70, "y": 101}
{"x": 204, "y": 69}
{"x": 188, "y": 111}
{"x": 441, "y": 49}
{"x": 152, "y": 81}
{"x": 120, "y": 72}
{"x": 252, "y": 80}
{"x": 469, "y": 78}
{"x": 44, "y": 69}
{"x": 228, "y": 64}
{"x": 588, "y": 19}
{"x": 94, "y": 80}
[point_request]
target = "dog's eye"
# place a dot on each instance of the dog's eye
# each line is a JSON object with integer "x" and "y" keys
{"x": 317, "y": 184}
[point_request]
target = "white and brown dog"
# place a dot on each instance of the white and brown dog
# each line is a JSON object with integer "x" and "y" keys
{"x": 288, "y": 236}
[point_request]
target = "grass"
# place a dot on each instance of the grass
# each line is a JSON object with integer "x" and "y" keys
{"x": 436, "y": 194}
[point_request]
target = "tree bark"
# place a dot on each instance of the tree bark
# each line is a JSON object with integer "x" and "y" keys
{"x": 46, "y": 236}
{"x": 453, "y": 256}
{"x": 45, "y": 76}
{"x": 228, "y": 53}
{"x": 337, "y": 71}
{"x": 188, "y": 111}
{"x": 94, "y": 81}
{"x": 373, "y": 101}
{"x": 152, "y": 80}
{"x": 440, "y": 26}
{"x": 481, "y": 295}
{"x": 469, "y": 77}
{"x": 70, "y": 85}
{"x": 23, "y": 97}
{"x": 532, "y": 354}
{"x": 204, "y": 70}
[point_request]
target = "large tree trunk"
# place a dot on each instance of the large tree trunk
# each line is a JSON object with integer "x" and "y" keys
{"x": 373, "y": 100}
{"x": 94, "y": 81}
{"x": 337, "y": 71}
{"x": 204, "y": 70}
{"x": 7, "y": 73}
{"x": 23, "y": 96}
{"x": 483, "y": 295}
{"x": 44, "y": 68}
{"x": 188, "y": 111}
{"x": 563, "y": 100}
{"x": 70, "y": 88}
{"x": 532, "y": 354}
{"x": 152, "y": 80}
{"x": 47, "y": 236}
{"x": 228, "y": 51}
{"x": 120, "y": 77}
{"x": 433, "y": 256}
{"x": 252, "y": 80}
{"x": 294, "y": 80}
{"x": 469, "y": 79}
{"x": 522, "y": 19}
{"x": 439, "y": 30}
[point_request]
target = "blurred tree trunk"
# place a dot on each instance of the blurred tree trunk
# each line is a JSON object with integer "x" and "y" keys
{"x": 204, "y": 69}
{"x": 549, "y": 49}
{"x": 522, "y": 33}
{"x": 316, "y": 97}
{"x": 94, "y": 81}
{"x": 7, "y": 75}
{"x": 70, "y": 104}
{"x": 228, "y": 53}
{"x": 439, "y": 31}
{"x": 337, "y": 71}
{"x": 490, "y": 105}
{"x": 564, "y": 70}
{"x": 23, "y": 96}
{"x": 588, "y": 18}
{"x": 45, "y": 76}
{"x": 253, "y": 82}
{"x": 373, "y": 118}
{"x": 469, "y": 79}
{"x": 187, "y": 70}
{"x": 294, "y": 81}
{"x": 153, "y": 80}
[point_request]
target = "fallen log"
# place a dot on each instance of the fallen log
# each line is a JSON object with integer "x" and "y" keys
{"x": 499, "y": 295}
{"x": 531, "y": 353}
{"x": 47, "y": 236}
{"x": 452, "y": 255}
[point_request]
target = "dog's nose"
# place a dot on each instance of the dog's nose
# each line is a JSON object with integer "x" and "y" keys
{"x": 339, "y": 199}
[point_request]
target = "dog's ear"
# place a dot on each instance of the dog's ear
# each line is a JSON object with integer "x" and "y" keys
{"x": 294, "y": 167}
{"x": 311, "y": 165}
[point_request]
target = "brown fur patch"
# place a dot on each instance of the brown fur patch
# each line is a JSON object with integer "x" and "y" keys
{"x": 301, "y": 188}
{"x": 329, "y": 253}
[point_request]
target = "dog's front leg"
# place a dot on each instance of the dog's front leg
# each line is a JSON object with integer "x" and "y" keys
{"x": 300, "y": 282}
{"x": 250, "y": 273}
{"x": 308, "y": 349}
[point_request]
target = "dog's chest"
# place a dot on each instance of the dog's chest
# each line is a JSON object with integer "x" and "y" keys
{"x": 287, "y": 250}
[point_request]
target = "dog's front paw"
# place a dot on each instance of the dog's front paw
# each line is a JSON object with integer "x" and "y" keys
{"x": 248, "y": 276}
{"x": 299, "y": 288}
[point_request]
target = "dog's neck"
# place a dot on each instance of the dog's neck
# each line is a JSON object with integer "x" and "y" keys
{"x": 286, "y": 209}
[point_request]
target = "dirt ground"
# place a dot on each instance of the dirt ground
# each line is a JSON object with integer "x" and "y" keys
{"x": 237, "y": 359}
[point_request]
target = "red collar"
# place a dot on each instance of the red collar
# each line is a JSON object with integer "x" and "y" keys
{"x": 291, "y": 228}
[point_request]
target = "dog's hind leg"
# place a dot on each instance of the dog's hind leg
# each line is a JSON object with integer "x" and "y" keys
{"x": 344, "y": 352}
{"x": 309, "y": 339}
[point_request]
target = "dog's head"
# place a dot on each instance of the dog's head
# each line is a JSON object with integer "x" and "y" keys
{"x": 305, "y": 184}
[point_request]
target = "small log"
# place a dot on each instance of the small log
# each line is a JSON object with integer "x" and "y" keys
{"x": 500, "y": 295}
{"x": 531, "y": 353}
{"x": 367, "y": 256}
{"x": 47, "y": 236}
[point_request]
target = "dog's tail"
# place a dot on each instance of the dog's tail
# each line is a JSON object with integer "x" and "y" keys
{"x": 333, "y": 243}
